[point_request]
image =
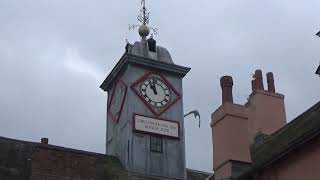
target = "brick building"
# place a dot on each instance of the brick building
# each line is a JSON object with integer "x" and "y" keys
{"x": 21, "y": 160}
{"x": 254, "y": 142}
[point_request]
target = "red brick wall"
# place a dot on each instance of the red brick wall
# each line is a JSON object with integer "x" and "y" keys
{"x": 52, "y": 164}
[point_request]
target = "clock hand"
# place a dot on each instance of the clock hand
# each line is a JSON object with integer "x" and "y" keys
{"x": 153, "y": 87}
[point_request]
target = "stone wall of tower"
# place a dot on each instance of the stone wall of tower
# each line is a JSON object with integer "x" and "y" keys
{"x": 133, "y": 149}
{"x": 171, "y": 162}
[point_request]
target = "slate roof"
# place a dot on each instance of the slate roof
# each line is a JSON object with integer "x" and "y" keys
{"x": 128, "y": 58}
{"x": 197, "y": 175}
{"x": 294, "y": 135}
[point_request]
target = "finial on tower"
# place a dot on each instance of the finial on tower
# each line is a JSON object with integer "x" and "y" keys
{"x": 144, "y": 29}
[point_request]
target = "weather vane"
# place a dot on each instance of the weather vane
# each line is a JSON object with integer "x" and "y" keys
{"x": 144, "y": 29}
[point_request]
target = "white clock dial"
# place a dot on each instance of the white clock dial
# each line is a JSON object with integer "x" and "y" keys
{"x": 155, "y": 92}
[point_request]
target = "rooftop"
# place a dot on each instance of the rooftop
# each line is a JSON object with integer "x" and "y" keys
{"x": 295, "y": 134}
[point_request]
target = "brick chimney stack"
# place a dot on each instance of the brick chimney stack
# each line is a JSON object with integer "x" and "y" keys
{"x": 236, "y": 127}
{"x": 229, "y": 134}
{"x": 265, "y": 108}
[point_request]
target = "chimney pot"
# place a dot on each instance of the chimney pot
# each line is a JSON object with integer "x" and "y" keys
{"x": 253, "y": 85}
{"x": 270, "y": 80}
{"x": 258, "y": 80}
{"x": 44, "y": 140}
{"x": 226, "y": 83}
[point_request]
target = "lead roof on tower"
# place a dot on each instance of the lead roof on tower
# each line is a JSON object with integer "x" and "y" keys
{"x": 129, "y": 58}
{"x": 142, "y": 49}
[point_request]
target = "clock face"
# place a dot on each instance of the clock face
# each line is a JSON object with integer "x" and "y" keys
{"x": 155, "y": 92}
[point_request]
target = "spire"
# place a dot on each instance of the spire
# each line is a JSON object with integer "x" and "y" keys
{"x": 143, "y": 18}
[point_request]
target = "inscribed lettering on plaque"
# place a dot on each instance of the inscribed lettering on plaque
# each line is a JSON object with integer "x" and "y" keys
{"x": 156, "y": 126}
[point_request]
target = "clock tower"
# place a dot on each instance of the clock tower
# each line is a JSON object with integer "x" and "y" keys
{"x": 145, "y": 127}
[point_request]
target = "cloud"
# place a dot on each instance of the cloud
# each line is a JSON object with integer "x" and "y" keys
{"x": 77, "y": 64}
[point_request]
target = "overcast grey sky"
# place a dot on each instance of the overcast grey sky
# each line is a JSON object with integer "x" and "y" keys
{"x": 55, "y": 54}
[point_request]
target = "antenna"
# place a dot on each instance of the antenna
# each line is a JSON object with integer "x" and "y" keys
{"x": 143, "y": 18}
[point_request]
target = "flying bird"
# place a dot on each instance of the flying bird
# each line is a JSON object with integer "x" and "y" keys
{"x": 195, "y": 113}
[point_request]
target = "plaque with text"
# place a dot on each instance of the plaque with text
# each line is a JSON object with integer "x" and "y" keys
{"x": 155, "y": 126}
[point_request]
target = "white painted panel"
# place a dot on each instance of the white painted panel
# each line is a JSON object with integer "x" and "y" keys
{"x": 156, "y": 126}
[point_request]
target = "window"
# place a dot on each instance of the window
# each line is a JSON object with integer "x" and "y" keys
{"x": 156, "y": 144}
